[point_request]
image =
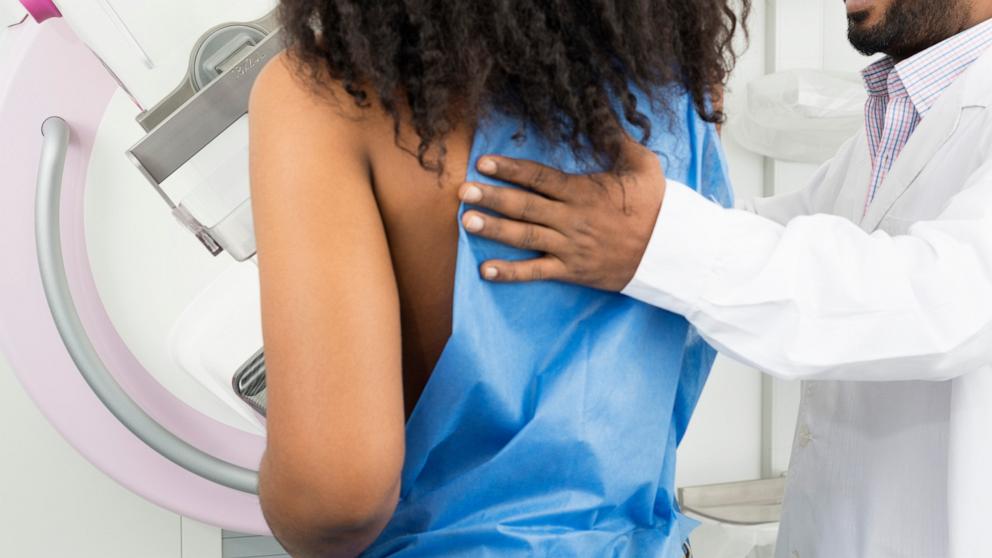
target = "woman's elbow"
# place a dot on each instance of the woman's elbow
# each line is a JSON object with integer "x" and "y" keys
{"x": 314, "y": 515}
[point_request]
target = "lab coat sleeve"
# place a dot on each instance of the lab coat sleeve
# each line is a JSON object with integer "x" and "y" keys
{"x": 784, "y": 207}
{"x": 819, "y": 298}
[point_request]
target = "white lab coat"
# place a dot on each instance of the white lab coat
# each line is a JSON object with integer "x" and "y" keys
{"x": 890, "y": 314}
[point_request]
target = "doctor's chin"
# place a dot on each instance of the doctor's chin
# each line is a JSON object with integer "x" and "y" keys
{"x": 496, "y": 278}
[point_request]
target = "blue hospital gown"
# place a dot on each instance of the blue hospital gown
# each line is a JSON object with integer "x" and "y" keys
{"x": 550, "y": 424}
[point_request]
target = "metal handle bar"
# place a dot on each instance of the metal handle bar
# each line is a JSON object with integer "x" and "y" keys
{"x": 56, "y": 285}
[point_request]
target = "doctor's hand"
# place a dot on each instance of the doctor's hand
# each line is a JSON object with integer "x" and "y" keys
{"x": 592, "y": 229}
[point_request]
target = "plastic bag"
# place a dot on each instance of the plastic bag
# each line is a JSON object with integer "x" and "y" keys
{"x": 800, "y": 115}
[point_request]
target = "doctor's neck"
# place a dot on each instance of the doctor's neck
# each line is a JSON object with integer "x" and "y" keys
{"x": 902, "y": 28}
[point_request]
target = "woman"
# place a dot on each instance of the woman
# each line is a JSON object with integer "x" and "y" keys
{"x": 413, "y": 409}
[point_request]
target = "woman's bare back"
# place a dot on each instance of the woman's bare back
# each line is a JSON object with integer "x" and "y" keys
{"x": 357, "y": 245}
{"x": 419, "y": 210}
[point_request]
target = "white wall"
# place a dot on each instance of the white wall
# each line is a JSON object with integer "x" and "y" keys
{"x": 54, "y": 503}
{"x": 11, "y": 12}
{"x": 724, "y": 439}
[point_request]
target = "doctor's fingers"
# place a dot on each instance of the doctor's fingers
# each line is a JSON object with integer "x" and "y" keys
{"x": 526, "y": 236}
{"x": 547, "y": 268}
{"x": 634, "y": 158}
{"x": 544, "y": 180}
{"x": 519, "y": 205}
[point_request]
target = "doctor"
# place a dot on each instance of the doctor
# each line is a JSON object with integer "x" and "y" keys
{"x": 874, "y": 284}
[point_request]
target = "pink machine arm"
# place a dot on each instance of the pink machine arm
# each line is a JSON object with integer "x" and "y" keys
{"x": 41, "y": 10}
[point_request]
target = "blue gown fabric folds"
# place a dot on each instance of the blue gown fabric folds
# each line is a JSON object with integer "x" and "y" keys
{"x": 550, "y": 424}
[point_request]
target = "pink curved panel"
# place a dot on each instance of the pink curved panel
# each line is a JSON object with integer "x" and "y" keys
{"x": 53, "y": 73}
{"x": 41, "y": 10}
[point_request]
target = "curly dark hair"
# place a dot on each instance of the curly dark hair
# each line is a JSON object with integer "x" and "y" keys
{"x": 567, "y": 67}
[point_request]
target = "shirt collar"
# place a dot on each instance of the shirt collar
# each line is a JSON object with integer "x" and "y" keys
{"x": 877, "y": 76}
{"x": 926, "y": 75}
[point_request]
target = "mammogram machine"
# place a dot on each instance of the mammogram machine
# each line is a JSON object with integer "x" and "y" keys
{"x": 128, "y": 240}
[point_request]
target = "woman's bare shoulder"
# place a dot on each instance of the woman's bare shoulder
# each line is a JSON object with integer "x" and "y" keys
{"x": 290, "y": 92}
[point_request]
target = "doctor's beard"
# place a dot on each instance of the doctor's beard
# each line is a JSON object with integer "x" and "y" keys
{"x": 907, "y": 27}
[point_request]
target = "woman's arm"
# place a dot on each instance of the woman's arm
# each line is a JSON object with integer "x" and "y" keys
{"x": 330, "y": 477}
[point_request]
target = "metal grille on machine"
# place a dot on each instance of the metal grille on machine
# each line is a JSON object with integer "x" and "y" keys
{"x": 249, "y": 383}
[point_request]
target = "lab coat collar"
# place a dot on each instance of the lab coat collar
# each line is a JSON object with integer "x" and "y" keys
{"x": 978, "y": 83}
{"x": 973, "y": 90}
